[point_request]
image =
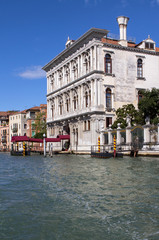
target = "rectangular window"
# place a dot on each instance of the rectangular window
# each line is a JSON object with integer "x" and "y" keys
{"x": 89, "y": 125}
{"x": 149, "y": 45}
{"x": 33, "y": 133}
{"x": 108, "y": 121}
{"x": 85, "y": 125}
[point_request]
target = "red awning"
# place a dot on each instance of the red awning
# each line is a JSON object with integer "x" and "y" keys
{"x": 19, "y": 138}
{"x": 27, "y": 139}
{"x": 36, "y": 140}
{"x": 53, "y": 139}
{"x": 63, "y": 137}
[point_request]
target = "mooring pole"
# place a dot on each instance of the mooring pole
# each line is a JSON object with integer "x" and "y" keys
{"x": 98, "y": 144}
{"x": 44, "y": 145}
{"x": 114, "y": 146}
{"x": 23, "y": 148}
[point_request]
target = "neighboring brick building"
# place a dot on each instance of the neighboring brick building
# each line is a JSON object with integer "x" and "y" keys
{"x": 21, "y": 123}
{"x": 31, "y": 115}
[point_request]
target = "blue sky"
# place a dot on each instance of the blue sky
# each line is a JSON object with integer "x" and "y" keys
{"x": 33, "y": 32}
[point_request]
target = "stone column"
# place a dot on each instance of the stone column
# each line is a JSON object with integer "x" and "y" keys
{"x": 79, "y": 67}
{"x": 79, "y": 98}
{"x": 63, "y": 76}
{"x": 48, "y": 86}
{"x": 64, "y": 104}
{"x": 147, "y": 137}
{"x": 95, "y": 93}
{"x": 92, "y": 93}
{"x": 118, "y": 141}
{"x": 93, "y": 130}
{"x": 99, "y": 92}
{"x": 91, "y": 59}
{"x": 101, "y": 129}
{"x": 128, "y": 136}
{"x": 95, "y": 57}
{"x": 100, "y": 58}
{"x": 71, "y": 101}
{"x": 71, "y": 73}
{"x": 146, "y": 134}
{"x": 110, "y": 139}
{"x": 112, "y": 97}
{"x": 56, "y": 106}
{"x": 71, "y": 136}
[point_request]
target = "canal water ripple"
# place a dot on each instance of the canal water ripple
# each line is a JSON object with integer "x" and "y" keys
{"x": 72, "y": 197}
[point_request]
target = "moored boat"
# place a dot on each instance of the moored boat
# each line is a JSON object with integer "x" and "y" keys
{"x": 100, "y": 152}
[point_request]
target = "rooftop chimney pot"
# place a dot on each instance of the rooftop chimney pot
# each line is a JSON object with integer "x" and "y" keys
{"x": 123, "y": 21}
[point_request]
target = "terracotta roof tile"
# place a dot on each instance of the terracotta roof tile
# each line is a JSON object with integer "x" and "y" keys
{"x": 157, "y": 49}
{"x": 111, "y": 41}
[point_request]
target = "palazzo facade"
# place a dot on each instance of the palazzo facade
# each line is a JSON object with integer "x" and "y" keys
{"x": 92, "y": 78}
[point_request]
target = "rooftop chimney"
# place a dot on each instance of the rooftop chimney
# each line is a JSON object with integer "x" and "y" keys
{"x": 123, "y": 21}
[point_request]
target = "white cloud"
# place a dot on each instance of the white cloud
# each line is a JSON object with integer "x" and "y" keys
{"x": 153, "y": 2}
{"x": 33, "y": 72}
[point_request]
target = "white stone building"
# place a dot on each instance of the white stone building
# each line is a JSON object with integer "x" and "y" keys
{"x": 17, "y": 125}
{"x": 92, "y": 78}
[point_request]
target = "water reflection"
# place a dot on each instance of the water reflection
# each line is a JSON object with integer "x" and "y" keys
{"x": 78, "y": 197}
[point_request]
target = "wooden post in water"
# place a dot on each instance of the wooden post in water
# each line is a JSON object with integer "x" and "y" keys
{"x": 114, "y": 146}
{"x": 23, "y": 148}
{"x": 44, "y": 145}
{"x": 98, "y": 144}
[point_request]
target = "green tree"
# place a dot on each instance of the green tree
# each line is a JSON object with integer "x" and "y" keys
{"x": 122, "y": 114}
{"x": 40, "y": 125}
{"x": 149, "y": 105}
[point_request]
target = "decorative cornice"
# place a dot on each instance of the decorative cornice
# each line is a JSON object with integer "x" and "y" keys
{"x": 130, "y": 49}
{"x": 90, "y": 34}
{"x": 81, "y": 116}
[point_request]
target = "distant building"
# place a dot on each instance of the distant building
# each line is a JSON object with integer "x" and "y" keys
{"x": 4, "y": 130}
{"x": 17, "y": 125}
{"x": 22, "y": 123}
{"x": 31, "y": 115}
{"x": 92, "y": 78}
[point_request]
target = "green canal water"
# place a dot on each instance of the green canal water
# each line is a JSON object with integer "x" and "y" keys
{"x": 78, "y": 198}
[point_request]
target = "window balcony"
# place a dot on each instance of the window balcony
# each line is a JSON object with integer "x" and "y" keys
{"x": 15, "y": 129}
{"x": 4, "y": 139}
{"x": 109, "y": 109}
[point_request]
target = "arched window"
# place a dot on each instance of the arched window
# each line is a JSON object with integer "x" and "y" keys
{"x": 139, "y": 68}
{"x": 108, "y": 64}
{"x": 86, "y": 98}
{"x": 75, "y": 104}
{"x": 108, "y": 98}
{"x": 60, "y": 106}
{"x": 52, "y": 111}
{"x": 67, "y": 105}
